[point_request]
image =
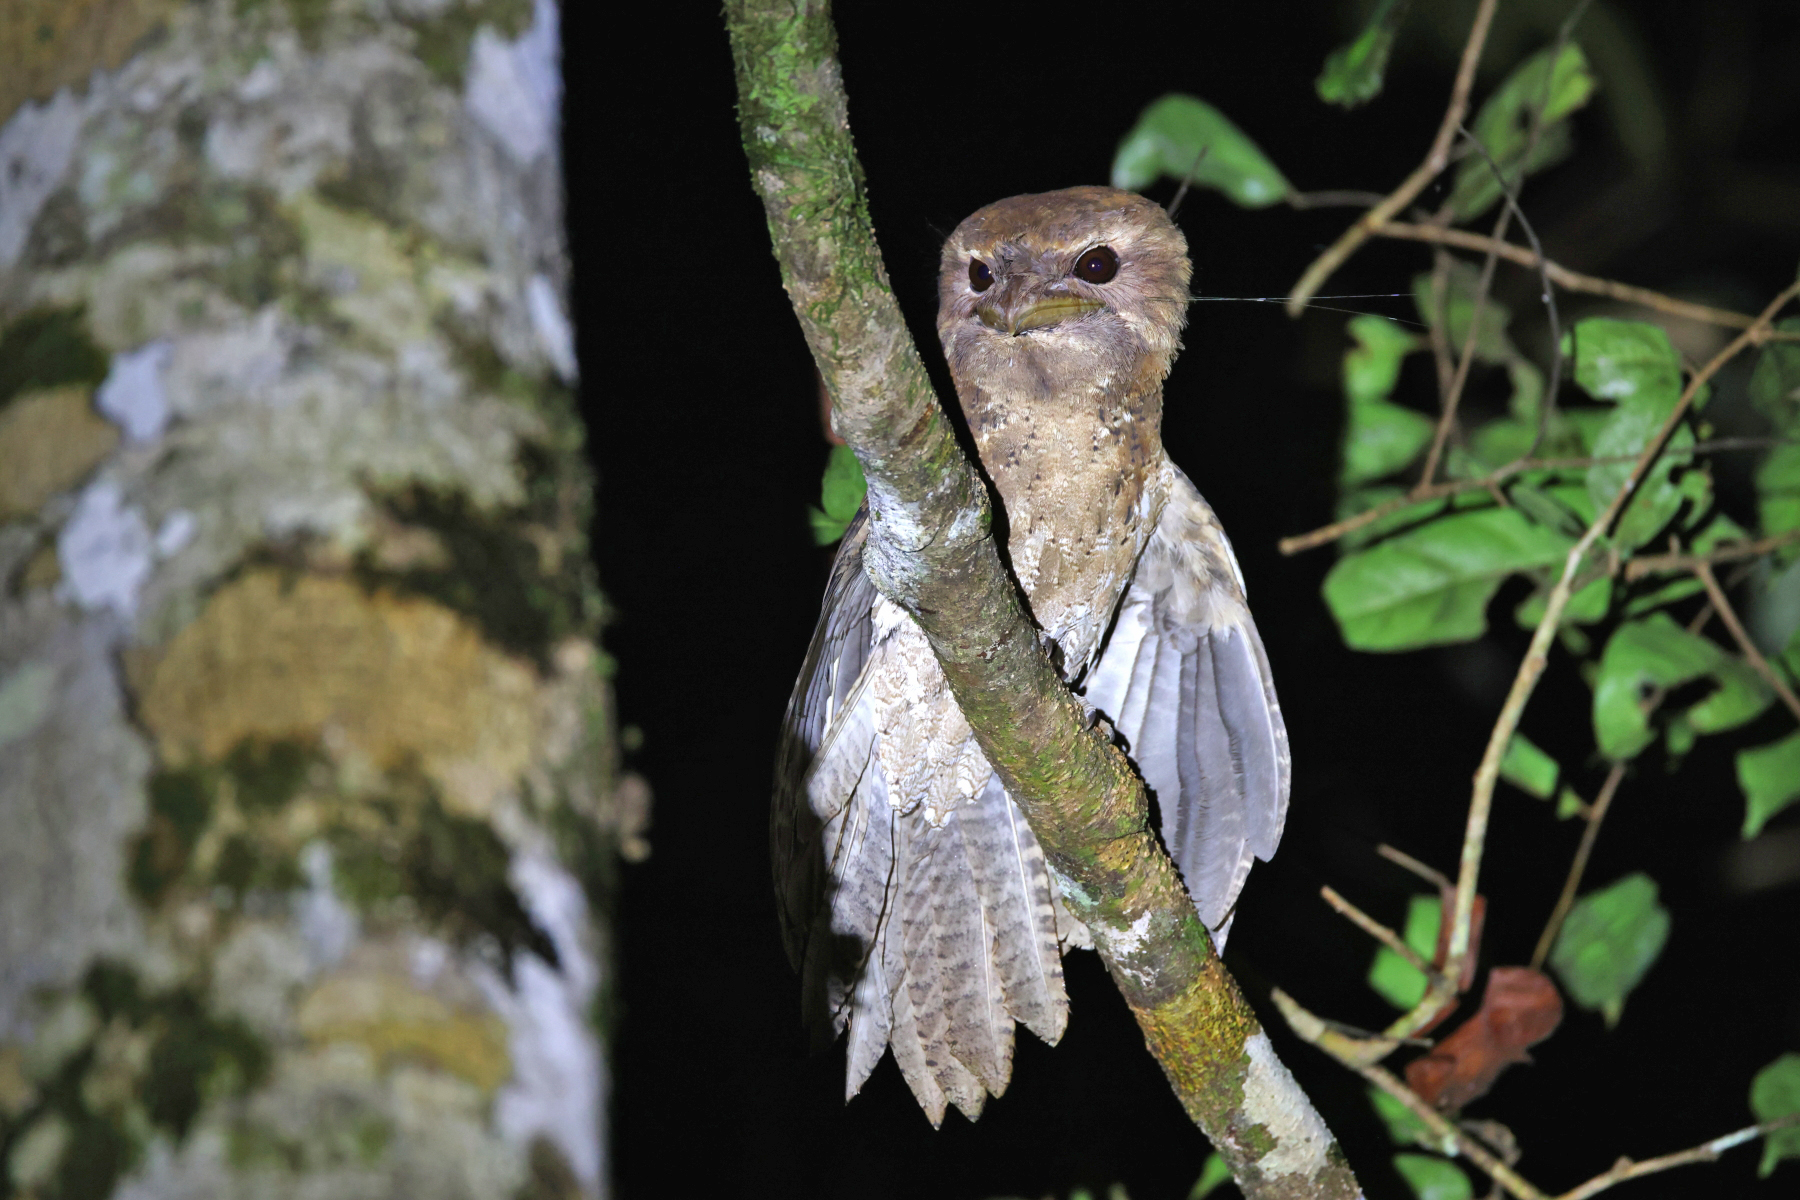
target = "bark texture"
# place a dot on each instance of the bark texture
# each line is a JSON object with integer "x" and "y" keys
{"x": 930, "y": 551}
{"x": 308, "y": 799}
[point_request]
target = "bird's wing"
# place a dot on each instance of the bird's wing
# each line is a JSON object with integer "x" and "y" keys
{"x": 826, "y": 729}
{"x": 1184, "y": 679}
{"x": 931, "y": 937}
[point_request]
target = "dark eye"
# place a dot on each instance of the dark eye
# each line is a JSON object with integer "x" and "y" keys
{"x": 980, "y": 278}
{"x": 1097, "y": 265}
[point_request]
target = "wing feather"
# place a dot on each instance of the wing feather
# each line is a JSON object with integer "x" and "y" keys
{"x": 825, "y": 744}
{"x": 923, "y": 983}
{"x": 1185, "y": 672}
{"x": 1014, "y": 884}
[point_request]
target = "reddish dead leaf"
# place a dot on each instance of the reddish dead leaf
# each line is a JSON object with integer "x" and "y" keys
{"x": 1520, "y": 1008}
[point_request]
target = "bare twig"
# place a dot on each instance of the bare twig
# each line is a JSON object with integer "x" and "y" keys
{"x": 1378, "y": 931}
{"x": 1487, "y": 775}
{"x": 1452, "y": 394}
{"x": 1435, "y": 161}
{"x": 1704, "y": 573}
{"x": 1441, "y": 263}
{"x": 1351, "y": 1053}
{"x": 1595, "y": 813}
{"x": 1562, "y": 277}
{"x": 1348, "y": 1051}
{"x": 1429, "y": 874}
{"x": 1705, "y": 1152}
{"x": 1536, "y": 659}
{"x": 1334, "y": 198}
{"x": 1637, "y": 568}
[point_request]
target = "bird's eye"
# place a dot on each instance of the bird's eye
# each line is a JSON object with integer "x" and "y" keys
{"x": 1097, "y": 265}
{"x": 980, "y": 278}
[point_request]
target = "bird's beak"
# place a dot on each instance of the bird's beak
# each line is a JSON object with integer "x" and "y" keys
{"x": 1015, "y": 314}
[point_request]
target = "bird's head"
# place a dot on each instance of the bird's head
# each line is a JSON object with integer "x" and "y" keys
{"x": 1087, "y": 284}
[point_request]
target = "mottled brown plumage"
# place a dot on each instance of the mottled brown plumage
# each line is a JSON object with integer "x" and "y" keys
{"x": 914, "y": 898}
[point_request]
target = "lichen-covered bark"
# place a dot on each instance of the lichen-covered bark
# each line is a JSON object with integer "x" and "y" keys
{"x": 929, "y": 550}
{"x": 307, "y": 780}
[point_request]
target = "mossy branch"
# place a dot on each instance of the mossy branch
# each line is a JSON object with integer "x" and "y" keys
{"x": 930, "y": 550}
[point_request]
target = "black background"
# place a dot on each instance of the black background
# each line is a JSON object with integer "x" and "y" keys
{"x": 706, "y": 433}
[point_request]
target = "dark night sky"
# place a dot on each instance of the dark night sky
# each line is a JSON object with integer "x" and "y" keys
{"x": 707, "y": 439}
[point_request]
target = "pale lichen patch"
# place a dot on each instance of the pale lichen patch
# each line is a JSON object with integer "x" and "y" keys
{"x": 1274, "y": 1101}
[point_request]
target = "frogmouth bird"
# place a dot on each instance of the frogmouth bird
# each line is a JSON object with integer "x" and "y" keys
{"x": 913, "y": 897}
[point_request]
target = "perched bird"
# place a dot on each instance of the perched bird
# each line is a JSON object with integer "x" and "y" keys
{"x": 914, "y": 899}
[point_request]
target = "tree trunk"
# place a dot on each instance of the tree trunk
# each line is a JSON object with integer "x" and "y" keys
{"x": 308, "y": 794}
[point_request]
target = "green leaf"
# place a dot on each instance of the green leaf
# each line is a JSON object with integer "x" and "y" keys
{"x": 1741, "y": 697}
{"x": 1657, "y": 653}
{"x": 1431, "y": 584}
{"x": 1433, "y": 1178}
{"x": 1352, "y": 74}
{"x": 1403, "y": 1125}
{"x": 1212, "y": 1175}
{"x": 1568, "y": 804}
{"x": 841, "y": 494}
{"x": 1775, "y": 1093}
{"x": 1528, "y": 768}
{"x": 1679, "y": 585}
{"x": 1625, "y": 361}
{"x": 1559, "y": 505}
{"x": 1770, "y": 777}
{"x": 1608, "y": 942}
{"x": 1373, "y": 366}
{"x": 1658, "y": 497}
{"x": 1169, "y": 138}
{"x": 1504, "y": 126}
{"x": 1491, "y": 343}
{"x": 1633, "y": 364}
{"x": 1379, "y": 439}
{"x": 1775, "y": 384}
{"x": 1586, "y": 606}
{"x": 1778, "y": 490}
{"x": 1395, "y": 979}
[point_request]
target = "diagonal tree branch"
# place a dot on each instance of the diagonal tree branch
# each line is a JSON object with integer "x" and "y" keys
{"x": 930, "y": 550}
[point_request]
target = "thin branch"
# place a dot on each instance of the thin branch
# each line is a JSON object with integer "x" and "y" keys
{"x": 1346, "y": 1050}
{"x": 1536, "y": 659}
{"x": 1459, "y": 379}
{"x": 1378, "y": 931}
{"x": 1334, "y": 198}
{"x": 1423, "y": 494}
{"x": 1595, "y": 814}
{"x": 1704, "y": 573}
{"x": 1435, "y": 161}
{"x": 1637, "y": 568}
{"x": 1431, "y": 875}
{"x": 1437, "y": 330}
{"x": 1325, "y": 534}
{"x": 1349, "y": 1051}
{"x": 1562, "y": 277}
{"x": 1705, "y": 1152}
{"x": 1487, "y": 775}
